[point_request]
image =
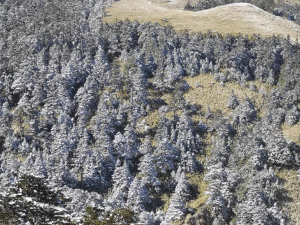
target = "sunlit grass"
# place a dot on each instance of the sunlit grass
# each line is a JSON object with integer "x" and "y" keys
{"x": 292, "y": 132}
{"x": 292, "y": 186}
{"x": 198, "y": 181}
{"x": 215, "y": 96}
{"x": 228, "y": 19}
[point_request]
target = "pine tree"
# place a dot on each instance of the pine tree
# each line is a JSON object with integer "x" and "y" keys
{"x": 138, "y": 196}
{"x": 148, "y": 172}
{"x": 176, "y": 209}
{"x": 292, "y": 116}
{"x": 232, "y": 101}
{"x": 182, "y": 187}
{"x": 165, "y": 157}
{"x": 121, "y": 180}
{"x": 188, "y": 162}
{"x": 125, "y": 146}
{"x": 146, "y": 147}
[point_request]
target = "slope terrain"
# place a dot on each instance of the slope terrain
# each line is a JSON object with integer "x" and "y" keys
{"x": 137, "y": 123}
{"x": 229, "y": 19}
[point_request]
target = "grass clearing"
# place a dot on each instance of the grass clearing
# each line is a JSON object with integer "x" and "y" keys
{"x": 214, "y": 95}
{"x": 292, "y": 186}
{"x": 21, "y": 158}
{"x": 198, "y": 181}
{"x": 153, "y": 119}
{"x": 292, "y": 132}
{"x": 240, "y": 18}
{"x": 20, "y": 127}
{"x": 292, "y": 2}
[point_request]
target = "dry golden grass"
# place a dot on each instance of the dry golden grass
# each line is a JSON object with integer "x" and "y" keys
{"x": 202, "y": 185}
{"x": 292, "y": 132}
{"x": 194, "y": 2}
{"x": 153, "y": 119}
{"x": 21, "y": 126}
{"x": 229, "y": 19}
{"x": 171, "y": 4}
{"x": 21, "y": 158}
{"x": 292, "y": 186}
{"x": 166, "y": 199}
{"x": 213, "y": 95}
{"x": 292, "y": 2}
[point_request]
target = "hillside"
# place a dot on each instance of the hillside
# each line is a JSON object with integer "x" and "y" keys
{"x": 234, "y": 18}
{"x": 138, "y": 123}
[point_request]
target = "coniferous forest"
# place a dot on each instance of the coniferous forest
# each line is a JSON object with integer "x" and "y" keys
{"x": 96, "y": 128}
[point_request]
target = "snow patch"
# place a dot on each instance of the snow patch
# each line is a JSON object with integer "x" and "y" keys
{"x": 241, "y": 4}
{"x": 28, "y": 199}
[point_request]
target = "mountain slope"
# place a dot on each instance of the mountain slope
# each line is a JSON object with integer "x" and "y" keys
{"x": 229, "y": 19}
{"x": 118, "y": 123}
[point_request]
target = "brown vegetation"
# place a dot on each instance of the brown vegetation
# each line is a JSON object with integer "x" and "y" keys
{"x": 229, "y": 19}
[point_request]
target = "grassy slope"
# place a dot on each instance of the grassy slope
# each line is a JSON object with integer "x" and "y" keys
{"x": 291, "y": 2}
{"x": 292, "y": 132}
{"x": 291, "y": 201}
{"x": 214, "y": 95}
{"x": 229, "y": 19}
{"x": 235, "y": 18}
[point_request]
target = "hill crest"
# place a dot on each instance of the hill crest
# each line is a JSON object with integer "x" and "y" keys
{"x": 233, "y": 18}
